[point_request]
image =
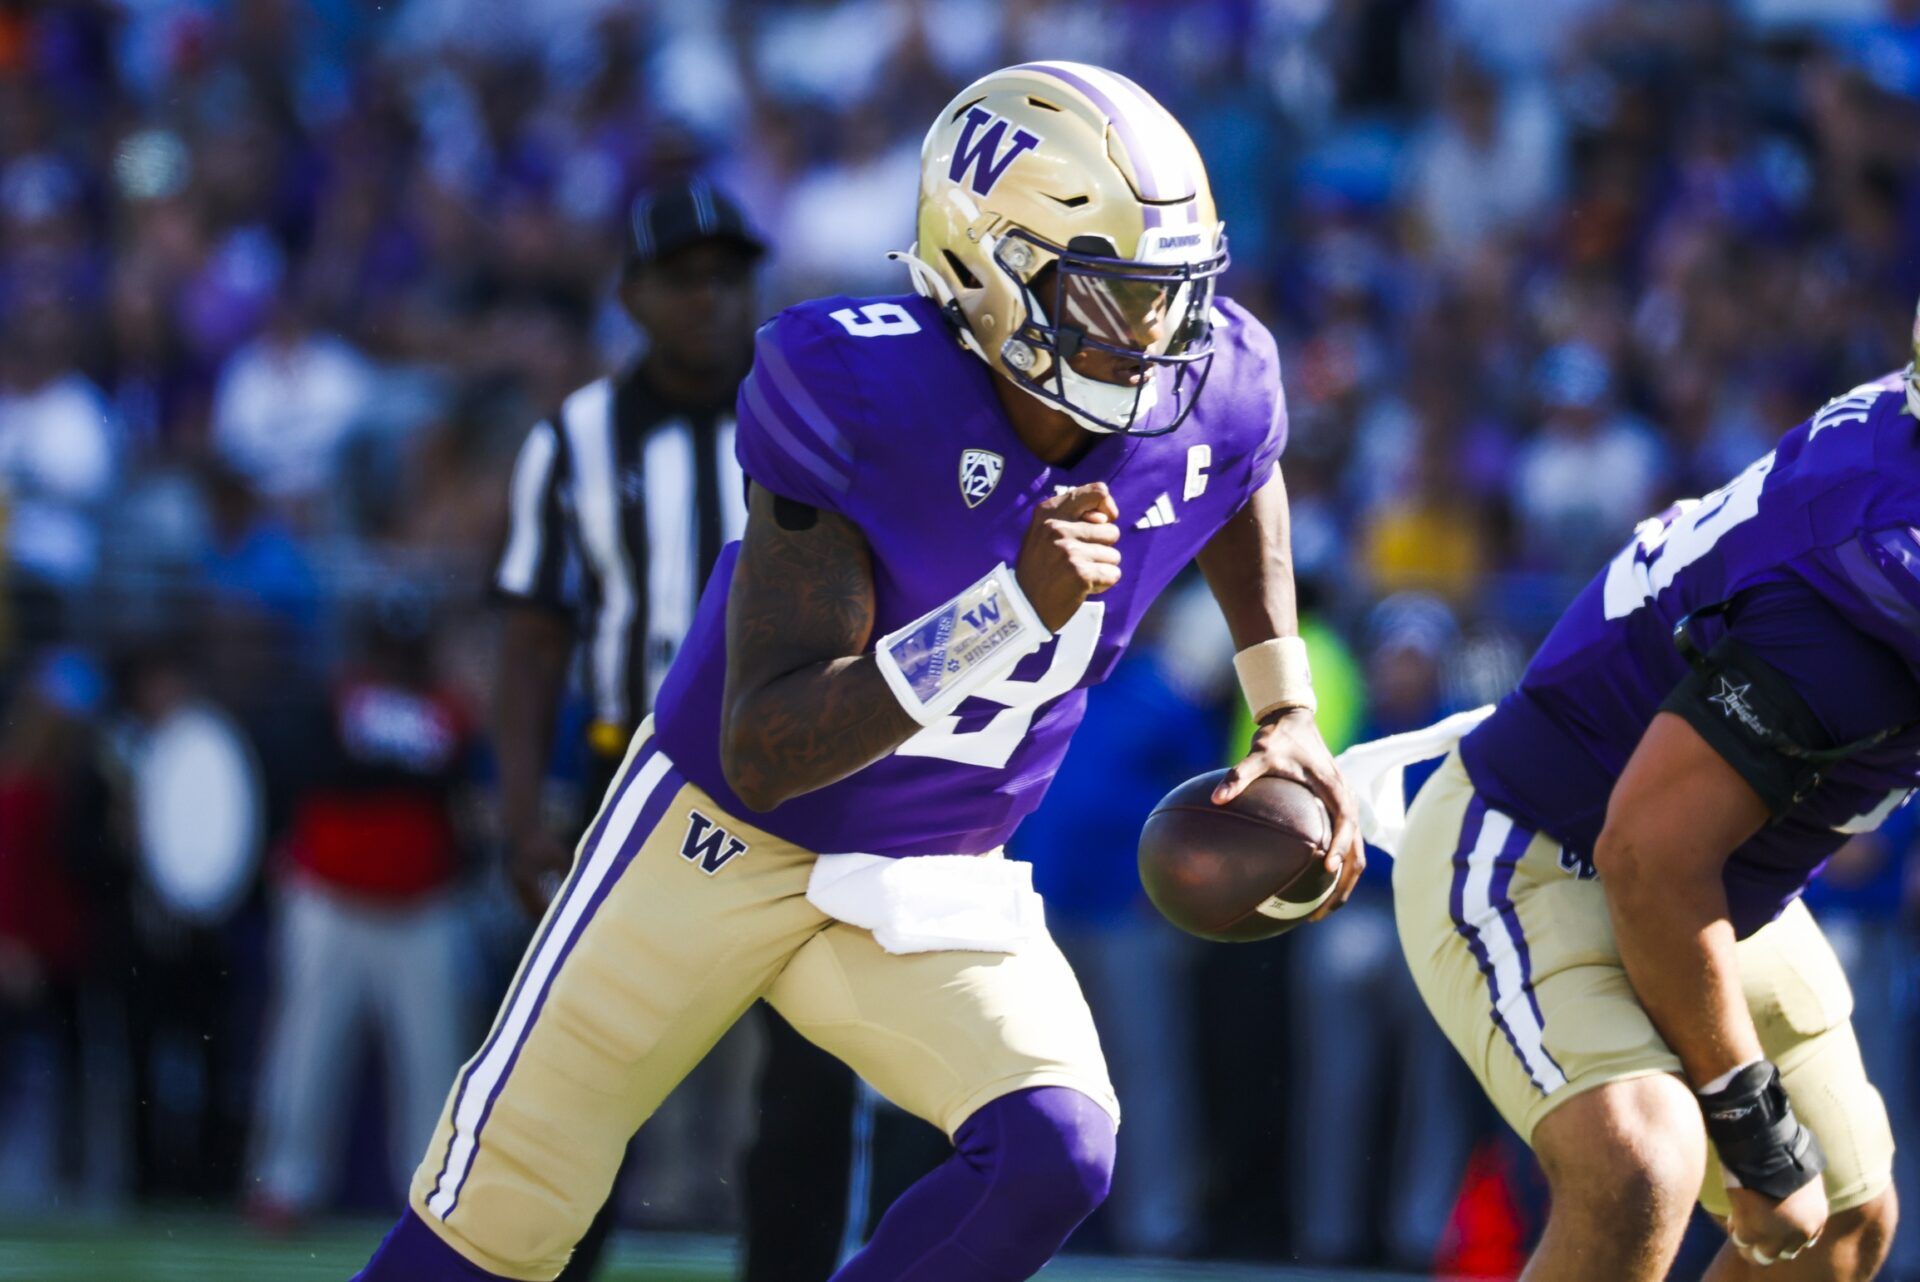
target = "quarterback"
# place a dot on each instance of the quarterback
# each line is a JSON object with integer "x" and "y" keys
{"x": 1599, "y": 893}
{"x": 880, "y": 682}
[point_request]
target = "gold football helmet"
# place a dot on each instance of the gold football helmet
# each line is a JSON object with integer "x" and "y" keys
{"x": 1063, "y": 210}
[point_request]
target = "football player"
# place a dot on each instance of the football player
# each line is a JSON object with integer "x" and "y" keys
{"x": 1599, "y": 893}
{"x": 881, "y": 680}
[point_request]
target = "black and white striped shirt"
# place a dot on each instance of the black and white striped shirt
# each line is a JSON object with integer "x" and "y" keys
{"x": 620, "y": 503}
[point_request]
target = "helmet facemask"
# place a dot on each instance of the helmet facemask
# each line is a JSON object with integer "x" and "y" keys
{"x": 1156, "y": 318}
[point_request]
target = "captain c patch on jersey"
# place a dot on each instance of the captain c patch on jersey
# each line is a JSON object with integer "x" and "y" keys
{"x": 709, "y": 845}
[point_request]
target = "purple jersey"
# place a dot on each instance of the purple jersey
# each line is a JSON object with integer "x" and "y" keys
{"x": 1819, "y": 540}
{"x": 872, "y": 409}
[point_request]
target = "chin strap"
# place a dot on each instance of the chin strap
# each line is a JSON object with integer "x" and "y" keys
{"x": 929, "y": 283}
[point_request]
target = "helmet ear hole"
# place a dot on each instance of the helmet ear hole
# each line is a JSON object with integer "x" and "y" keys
{"x": 960, "y": 271}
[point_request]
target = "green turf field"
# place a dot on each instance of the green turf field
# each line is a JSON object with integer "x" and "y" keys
{"x": 202, "y": 1248}
{"x": 207, "y": 1249}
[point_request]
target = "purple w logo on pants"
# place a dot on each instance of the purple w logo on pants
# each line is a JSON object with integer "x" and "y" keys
{"x": 709, "y": 845}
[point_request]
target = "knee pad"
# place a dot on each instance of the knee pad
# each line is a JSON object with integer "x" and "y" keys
{"x": 412, "y": 1252}
{"x": 1050, "y": 1149}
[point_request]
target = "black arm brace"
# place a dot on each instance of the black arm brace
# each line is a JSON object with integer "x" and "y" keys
{"x": 1759, "y": 1140}
{"x": 1753, "y": 717}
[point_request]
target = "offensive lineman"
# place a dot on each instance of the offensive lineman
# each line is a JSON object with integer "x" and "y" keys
{"x": 883, "y": 675}
{"x": 1599, "y": 891}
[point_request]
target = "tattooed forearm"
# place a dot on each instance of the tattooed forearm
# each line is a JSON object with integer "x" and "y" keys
{"x": 804, "y": 706}
{"x": 811, "y": 728}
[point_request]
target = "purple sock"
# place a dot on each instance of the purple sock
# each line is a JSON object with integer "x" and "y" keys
{"x": 412, "y": 1252}
{"x": 1026, "y": 1169}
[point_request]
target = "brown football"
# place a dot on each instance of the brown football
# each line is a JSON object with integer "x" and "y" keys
{"x": 1250, "y": 869}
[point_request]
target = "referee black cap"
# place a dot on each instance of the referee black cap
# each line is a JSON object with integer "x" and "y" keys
{"x": 670, "y": 217}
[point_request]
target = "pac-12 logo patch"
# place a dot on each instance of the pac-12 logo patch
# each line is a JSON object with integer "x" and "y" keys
{"x": 709, "y": 845}
{"x": 979, "y": 473}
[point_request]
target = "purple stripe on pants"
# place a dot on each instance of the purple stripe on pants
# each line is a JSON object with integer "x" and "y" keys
{"x": 1456, "y": 904}
{"x": 638, "y": 760}
{"x": 664, "y": 791}
{"x": 1499, "y": 892}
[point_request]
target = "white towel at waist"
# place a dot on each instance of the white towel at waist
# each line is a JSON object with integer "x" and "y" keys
{"x": 1377, "y": 773}
{"x": 932, "y": 903}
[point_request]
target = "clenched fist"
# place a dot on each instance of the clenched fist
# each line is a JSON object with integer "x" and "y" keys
{"x": 1069, "y": 553}
{"x": 1764, "y": 1230}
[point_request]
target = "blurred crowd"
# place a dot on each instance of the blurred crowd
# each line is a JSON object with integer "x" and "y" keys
{"x": 283, "y": 285}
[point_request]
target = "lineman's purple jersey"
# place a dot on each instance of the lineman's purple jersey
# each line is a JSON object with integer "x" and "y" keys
{"x": 872, "y": 409}
{"x": 1828, "y": 529}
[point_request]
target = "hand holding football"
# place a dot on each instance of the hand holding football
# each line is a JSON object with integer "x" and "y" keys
{"x": 1250, "y": 869}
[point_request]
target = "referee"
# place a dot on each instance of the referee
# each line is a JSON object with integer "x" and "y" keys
{"x": 620, "y": 503}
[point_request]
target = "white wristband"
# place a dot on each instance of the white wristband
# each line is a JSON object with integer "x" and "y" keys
{"x": 953, "y": 651}
{"x": 1274, "y": 675}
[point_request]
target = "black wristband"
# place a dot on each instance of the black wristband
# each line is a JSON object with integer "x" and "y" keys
{"x": 1759, "y": 1140}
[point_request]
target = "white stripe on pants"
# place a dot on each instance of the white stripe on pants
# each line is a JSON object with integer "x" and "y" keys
{"x": 341, "y": 962}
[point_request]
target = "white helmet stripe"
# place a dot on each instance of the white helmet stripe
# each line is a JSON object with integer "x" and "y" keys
{"x": 1140, "y": 124}
{"x": 1143, "y": 125}
{"x": 1166, "y": 149}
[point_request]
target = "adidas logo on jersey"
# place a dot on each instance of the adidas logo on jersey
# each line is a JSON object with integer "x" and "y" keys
{"x": 1161, "y": 513}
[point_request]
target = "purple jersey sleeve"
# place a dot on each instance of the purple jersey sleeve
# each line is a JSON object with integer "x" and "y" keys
{"x": 1259, "y": 361}
{"x": 1855, "y": 686}
{"x": 1874, "y": 579}
{"x": 798, "y": 412}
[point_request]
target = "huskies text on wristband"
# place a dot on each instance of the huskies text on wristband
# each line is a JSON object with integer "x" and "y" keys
{"x": 954, "y": 650}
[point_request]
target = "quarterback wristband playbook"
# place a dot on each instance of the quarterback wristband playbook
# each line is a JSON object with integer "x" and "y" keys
{"x": 955, "y": 650}
{"x": 1275, "y": 677}
{"x": 1762, "y": 1145}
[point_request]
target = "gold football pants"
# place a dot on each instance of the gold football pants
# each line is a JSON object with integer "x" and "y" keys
{"x": 1515, "y": 956}
{"x": 676, "y": 917}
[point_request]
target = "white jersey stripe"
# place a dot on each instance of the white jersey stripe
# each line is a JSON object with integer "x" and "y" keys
{"x": 673, "y": 545}
{"x": 526, "y": 537}
{"x": 485, "y": 1076}
{"x": 588, "y": 418}
{"x": 733, "y": 489}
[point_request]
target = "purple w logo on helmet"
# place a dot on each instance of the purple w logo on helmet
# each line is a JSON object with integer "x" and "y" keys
{"x": 979, "y": 150}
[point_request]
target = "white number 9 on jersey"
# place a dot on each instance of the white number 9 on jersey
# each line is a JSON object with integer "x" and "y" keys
{"x": 877, "y": 320}
{"x": 1662, "y": 548}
